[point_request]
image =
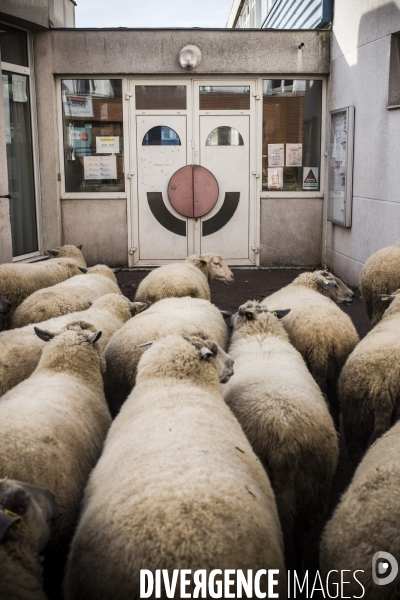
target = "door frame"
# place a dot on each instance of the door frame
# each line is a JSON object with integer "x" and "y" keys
{"x": 192, "y": 119}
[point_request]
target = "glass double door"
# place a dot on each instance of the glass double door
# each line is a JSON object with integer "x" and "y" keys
{"x": 192, "y": 185}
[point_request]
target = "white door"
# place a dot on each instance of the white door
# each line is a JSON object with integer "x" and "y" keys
{"x": 224, "y": 150}
{"x": 161, "y": 151}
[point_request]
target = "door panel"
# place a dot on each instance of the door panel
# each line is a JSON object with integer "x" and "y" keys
{"x": 225, "y": 229}
{"x": 162, "y": 231}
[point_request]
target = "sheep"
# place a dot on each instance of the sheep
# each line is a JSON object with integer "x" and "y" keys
{"x": 177, "y": 486}
{"x": 285, "y": 417}
{"x": 322, "y": 333}
{"x": 52, "y": 426}
{"x": 29, "y": 516}
{"x": 366, "y": 522}
{"x": 18, "y": 281}
{"x": 369, "y": 384}
{"x": 66, "y": 297}
{"x": 380, "y": 274}
{"x": 21, "y": 349}
{"x": 5, "y": 308}
{"x": 171, "y": 315}
{"x": 188, "y": 278}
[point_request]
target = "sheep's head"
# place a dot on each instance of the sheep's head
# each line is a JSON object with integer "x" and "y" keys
{"x": 333, "y": 287}
{"x": 67, "y": 251}
{"x": 5, "y": 308}
{"x": 213, "y": 267}
{"x": 118, "y": 305}
{"x": 28, "y": 514}
{"x": 257, "y": 317}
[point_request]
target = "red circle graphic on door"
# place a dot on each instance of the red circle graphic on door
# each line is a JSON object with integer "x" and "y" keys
{"x": 193, "y": 191}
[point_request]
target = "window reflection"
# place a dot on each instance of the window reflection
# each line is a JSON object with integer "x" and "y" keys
{"x": 224, "y": 136}
{"x": 224, "y": 97}
{"x": 161, "y": 136}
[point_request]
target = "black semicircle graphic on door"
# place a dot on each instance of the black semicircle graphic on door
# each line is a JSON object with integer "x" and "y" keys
{"x": 163, "y": 216}
{"x": 224, "y": 215}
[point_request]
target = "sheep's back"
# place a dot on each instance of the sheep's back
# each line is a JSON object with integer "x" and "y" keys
{"x": 173, "y": 281}
{"x": 380, "y": 275}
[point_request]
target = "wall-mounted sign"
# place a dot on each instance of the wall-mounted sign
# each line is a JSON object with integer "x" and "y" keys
{"x": 310, "y": 178}
{"x": 341, "y": 166}
{"x": 78, "y": 106}
{"x": 294, "y": 155}
{"x": 100, "y": 167}
{"x": 107, "y": 145}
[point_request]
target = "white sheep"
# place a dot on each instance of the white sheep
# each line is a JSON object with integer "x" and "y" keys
{"x": 366, "y": 522}
{"x": 188, "y": 278}
{"x": 177, "y": 486}
{"x": 171, "y": 315}
{"x": 322, "y": 333}
{"x": 28, "y": 518}
{"x": 53, "y": 424}
{"x": 285, "y": 417}
{"x": 21, "y": 348}
{"x": 66, "y": 297}
{"x": 369, "y": 384}
{"x": 380, "y": 275}
{"x": 18, "y": 281}
{"x": 5, "y": 307}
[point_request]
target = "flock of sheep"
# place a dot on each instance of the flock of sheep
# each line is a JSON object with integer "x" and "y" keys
{"x": 139, "y": 443}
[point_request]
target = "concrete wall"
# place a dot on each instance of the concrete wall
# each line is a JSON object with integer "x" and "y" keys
{"x": 137, "y": 52}
{"x": 100, "y": 226}
{"x": 35, "y": 14}
{"x": 291, "y": 232}
{"x": 5, "y": 224}
{"x": 360, "y": 77}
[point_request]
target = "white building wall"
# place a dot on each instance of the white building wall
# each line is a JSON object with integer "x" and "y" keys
{"x": 360, "y": 77}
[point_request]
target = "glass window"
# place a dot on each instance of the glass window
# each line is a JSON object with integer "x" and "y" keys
{"x": 224, "y": 136}
{"x": 223, "y": 97}
{"x": 161, "y": 136}
{"x": 93, "y": 135}
{"x": 13, "y": 46}
{"x": 18, "y": 133}
{"x": 160, "y": 97}
{"x": 292, "y": 112}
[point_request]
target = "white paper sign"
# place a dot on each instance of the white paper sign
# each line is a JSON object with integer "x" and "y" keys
{"x": 276, "y": 155}
{"x": 19, "y": 88}
{"x": 7, "y": 114}
{"x": 107, "y": 145}
{"x": 310, "y": 178}
{"x": 275, "y": 178}
{"x": 294, "y": 155}
{"x": 100, "y": 167}
{"x": 78, "y": 106}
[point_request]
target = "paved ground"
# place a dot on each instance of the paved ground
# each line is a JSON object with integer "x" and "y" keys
{"x": 256, "y": 284}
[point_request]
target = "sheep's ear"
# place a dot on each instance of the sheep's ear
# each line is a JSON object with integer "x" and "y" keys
{"x": 325, "y": 283}
{"x": 137, "y": 307}
{"x": 146, "y": 345}
{"x": 226, "y": 314}
{"x": 205, "y": 353}
{"x": 52, "y": 252}
{"x": 204, "y": 259}
{"x": 281, "y": 313}
{"x": 44, "y": 335}
{"x": 385, "y": 297}
{"x": 83, "y": 269}
{"x": 8, "y": 520}
{"x": 90, "y": 302}
{"x": 79, "y": 246}
{"x": 93, "y": 337}
{"x": 117, "y": 270}
{"x": 249, "y": 314}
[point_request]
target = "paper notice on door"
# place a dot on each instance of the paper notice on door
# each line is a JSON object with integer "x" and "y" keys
{"x": 310, "y": 178}
{"x": 7, "y": 113}
{"x": 275, "y": 178}
{"x": 107, "y": 145}
{"x": 78, "y": 106}
{"x": 276, "y": 155}
{"x": 19, "y": 88}
{"x": 100, "y": 167}
{"x": 294, "y": 155}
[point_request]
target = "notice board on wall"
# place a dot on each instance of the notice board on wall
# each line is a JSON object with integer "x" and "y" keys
{"x": 341, "y": 166}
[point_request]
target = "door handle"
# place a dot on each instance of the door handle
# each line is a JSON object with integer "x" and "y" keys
{"x": 7, "y": 196}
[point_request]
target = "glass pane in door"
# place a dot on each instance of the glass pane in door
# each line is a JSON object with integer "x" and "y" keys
{"x": 20, "y": 163}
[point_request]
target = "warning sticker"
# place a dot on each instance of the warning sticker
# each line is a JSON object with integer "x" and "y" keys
{"x": 310, "y": 178}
